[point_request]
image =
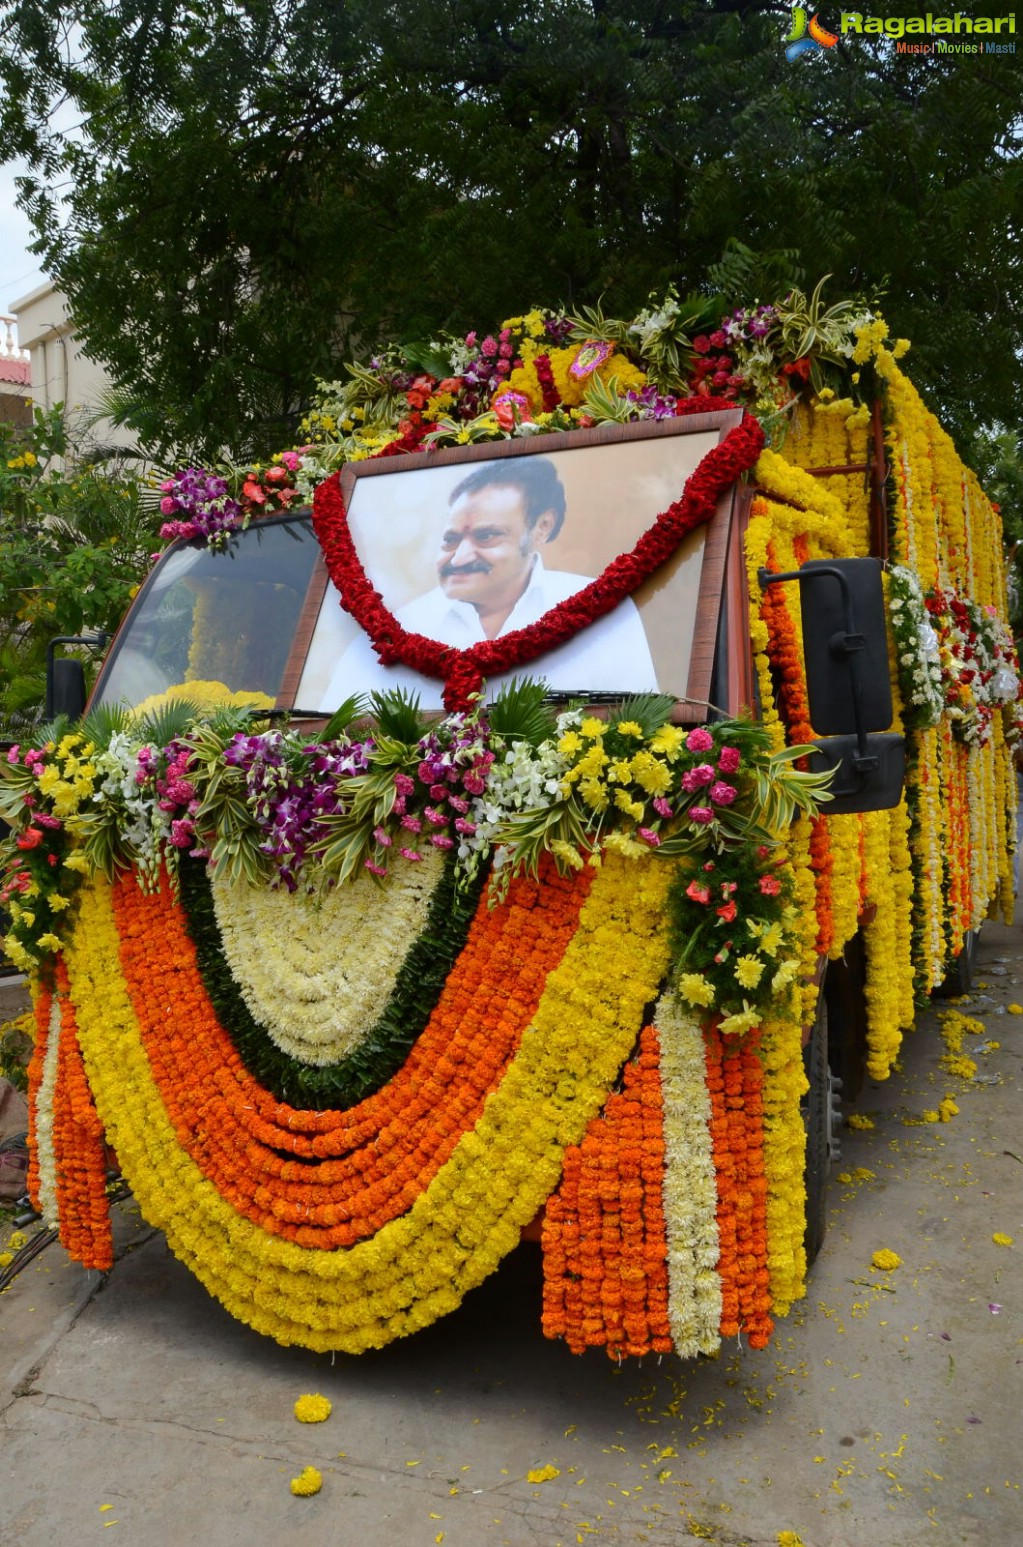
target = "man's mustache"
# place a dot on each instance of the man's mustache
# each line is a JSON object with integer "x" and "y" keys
{"x": 476, "y": 567}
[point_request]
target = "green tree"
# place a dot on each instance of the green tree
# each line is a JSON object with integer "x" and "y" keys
{"x": 255, "y": 185}
{"x": 75, "y": 540}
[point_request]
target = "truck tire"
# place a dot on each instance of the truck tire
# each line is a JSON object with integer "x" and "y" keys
{"x": 959, "y": 979}
{"x": 818, "y": 1118}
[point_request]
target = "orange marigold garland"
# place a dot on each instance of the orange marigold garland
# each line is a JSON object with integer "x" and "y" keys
{"x": 735, "y": 1083}
{"x": 327, "y": 1178}
{"x": 78, "y": 1150}
{"x": 604, "y": 1246}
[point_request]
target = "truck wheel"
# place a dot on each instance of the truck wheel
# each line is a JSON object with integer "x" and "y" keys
{"x": 820, "y": 1118}
{"x": 960, "y": 975}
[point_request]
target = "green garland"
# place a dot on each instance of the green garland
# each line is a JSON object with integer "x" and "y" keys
{"x": 417, "y": 987}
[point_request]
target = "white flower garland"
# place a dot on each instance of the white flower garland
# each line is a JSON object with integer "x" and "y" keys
{"x": 318, "y": 1005}
{"x": 44, "y": 1119}
{"x": 916, "y": 647}
{"x": 690, "y": 1185}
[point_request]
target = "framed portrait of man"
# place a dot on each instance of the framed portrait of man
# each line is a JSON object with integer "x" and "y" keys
{"x": 464, "y": 546}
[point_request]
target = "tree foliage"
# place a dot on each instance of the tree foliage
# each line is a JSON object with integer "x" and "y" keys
{"x": 75, "y": 540}
{"x": 253, "y": 187}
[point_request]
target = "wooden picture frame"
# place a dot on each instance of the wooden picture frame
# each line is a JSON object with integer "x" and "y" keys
{"x": 617, "y": 479}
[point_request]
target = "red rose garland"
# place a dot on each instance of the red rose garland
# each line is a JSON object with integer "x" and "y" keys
{"x": 463, "y": 671}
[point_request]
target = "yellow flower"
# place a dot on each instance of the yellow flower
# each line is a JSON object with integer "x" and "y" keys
{"x": 629, "y": 728}
{"x": 312, "y": 1408}
{"x": 594, "y": 794}
{"x": 789, "y": 1539}
{"x": 947, "y": 1110}
{"x": 693, "y": 986}
{"x": 667, "y": 740}
{"x": 76, "y": 860}
{"x": 1015, "y": 1009}
{"x": 48, "y": 942}
{"x": 1002, "y": 1240}
{"x": 633, "y": 808}
{"x": 621, "y": 843}
{"x": 593, "y": 727}
{"x": 785, "y": 974}
{"x": 6, "y": 1258}
{"x": 308, "y": 1482}
{"x": 570, "y": 743}
{"x": 859, "y": 1120}
{"x": 743, "y": 1020}
{"x": 543, "y": 1474}
{"x": 17, "y": 1241}
{"x": 651, "y": 774}
{"x": 885, "y": 1261}
{"x": 749, "y": 970}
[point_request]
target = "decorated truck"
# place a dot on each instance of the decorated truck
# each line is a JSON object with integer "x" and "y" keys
{"x": 520, "y": 811}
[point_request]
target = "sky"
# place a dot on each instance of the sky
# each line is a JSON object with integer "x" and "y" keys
{"x": 19, "y": 269}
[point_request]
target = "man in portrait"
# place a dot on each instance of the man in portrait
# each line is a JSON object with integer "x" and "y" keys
{"x": 492, "y": 579}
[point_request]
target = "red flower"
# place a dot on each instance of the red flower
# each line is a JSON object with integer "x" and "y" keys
{"x": 770, "y": 886}
{"x": 697, "y": 892}
{"x": 701, "y": 344}
{"x": 800, "y": 368}
{"x": 31, "y": 838}
{"x": 728, "y": 912}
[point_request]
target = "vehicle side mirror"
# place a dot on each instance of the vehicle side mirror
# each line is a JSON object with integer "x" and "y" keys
{"x": 845, "y": 645}
{"x": 65, "y": 689}
{"x": 871, "y": 785}
{"x": 841, "y": 602}
{"x": 65, "y": 677}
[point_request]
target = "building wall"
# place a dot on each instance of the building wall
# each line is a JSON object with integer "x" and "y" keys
{"x": 61, "y": 371}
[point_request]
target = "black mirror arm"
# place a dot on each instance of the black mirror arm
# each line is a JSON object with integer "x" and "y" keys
{"x": 849, "y": 644}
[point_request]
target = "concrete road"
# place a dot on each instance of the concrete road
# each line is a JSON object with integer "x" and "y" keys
{"x": 887, "y": 1410}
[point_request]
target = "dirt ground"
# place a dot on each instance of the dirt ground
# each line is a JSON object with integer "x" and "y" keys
{"x": 886, "y": 1410}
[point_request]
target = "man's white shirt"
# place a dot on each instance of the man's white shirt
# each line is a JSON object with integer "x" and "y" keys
{"x": 609, "y": 656}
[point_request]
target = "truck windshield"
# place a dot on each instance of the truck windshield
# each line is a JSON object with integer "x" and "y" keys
{"x": 215, "y": 627}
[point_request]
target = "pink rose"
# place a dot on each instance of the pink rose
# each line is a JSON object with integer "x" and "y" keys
{"x": 722, "y": 794}
{"x": 701, "y": 814}
{"x": 729, "y": 760}
{"x": 699, "y": 740}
